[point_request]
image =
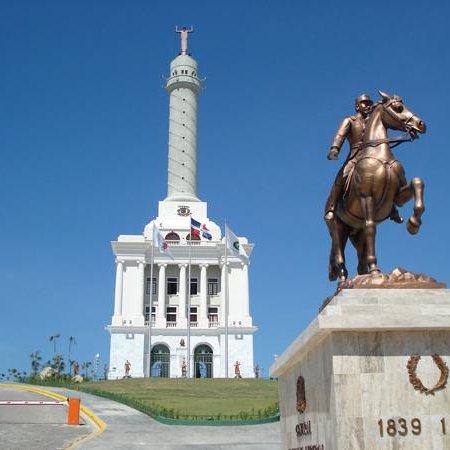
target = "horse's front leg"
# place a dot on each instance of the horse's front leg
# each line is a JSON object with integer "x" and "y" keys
{"x": 339, "y": 236}
{"x": 414, "y": 222}
{"x": 414, "y": 188}
{"x": 370, "y": 232}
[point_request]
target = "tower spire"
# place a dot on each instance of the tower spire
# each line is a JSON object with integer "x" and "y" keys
{"x": 183, "y": 86}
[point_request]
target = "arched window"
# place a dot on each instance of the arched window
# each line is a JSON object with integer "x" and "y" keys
{"x": 192, "y": 237}
{"x": 203, "y": 361}
{"x": 160, "y": 361}
{"x": 172, "y": 236}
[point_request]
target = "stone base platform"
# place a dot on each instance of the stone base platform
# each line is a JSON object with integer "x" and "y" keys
{"x": 370, "y": 372}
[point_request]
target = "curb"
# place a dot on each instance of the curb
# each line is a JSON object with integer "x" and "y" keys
{"x": 95, "y": 420}
{"x": 216, "y": 422}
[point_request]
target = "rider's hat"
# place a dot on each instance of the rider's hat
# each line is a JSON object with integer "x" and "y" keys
{"x": 363, "y": 98}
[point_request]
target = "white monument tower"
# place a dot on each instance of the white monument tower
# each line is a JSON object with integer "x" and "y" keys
{"x": 184, "y": 314}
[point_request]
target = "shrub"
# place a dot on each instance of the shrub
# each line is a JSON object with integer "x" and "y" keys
{"x": 46, "y": 373}
{"x": 77, "y": 379}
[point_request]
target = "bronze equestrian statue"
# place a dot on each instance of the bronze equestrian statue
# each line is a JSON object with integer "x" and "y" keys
{"x": 372, "y": 182}
{"x": 352, "y": 130}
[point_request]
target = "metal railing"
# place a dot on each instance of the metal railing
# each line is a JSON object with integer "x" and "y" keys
{"x": 187, "y": 243}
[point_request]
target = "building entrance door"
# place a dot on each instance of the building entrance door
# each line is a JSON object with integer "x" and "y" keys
{"x": 203, "y": 362}
{"x": 160, "y": 361}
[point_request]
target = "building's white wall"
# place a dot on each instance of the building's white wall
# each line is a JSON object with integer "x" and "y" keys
{"x": 238, "y": 295}
{"x": 126, "y": 346}
{"x": 240, "y": 348}
{"x": 130, "y": 296}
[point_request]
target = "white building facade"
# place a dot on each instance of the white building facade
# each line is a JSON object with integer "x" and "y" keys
{"x": 189, "y": 314}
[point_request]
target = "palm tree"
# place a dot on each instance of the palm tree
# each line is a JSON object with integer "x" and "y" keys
{"x": 71, "y": 363}
{"x": 53, "y": 338}
{"x": 36, "y": 359}
{"x": 86, "y": 366}
{"x": 58, "y": 363}
{"x": 72, "y": 341}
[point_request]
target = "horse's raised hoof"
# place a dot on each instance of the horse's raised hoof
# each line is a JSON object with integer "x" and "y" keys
{"x": 413, "y": 225}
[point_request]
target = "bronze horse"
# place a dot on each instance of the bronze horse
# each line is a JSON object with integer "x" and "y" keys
{"x": 376, "y": 182}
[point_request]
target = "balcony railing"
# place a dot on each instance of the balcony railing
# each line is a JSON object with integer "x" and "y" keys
{"x": 193, "y": 243}
{"x": 173, "y": 324}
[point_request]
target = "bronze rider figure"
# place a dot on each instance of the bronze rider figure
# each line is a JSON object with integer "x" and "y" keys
{"x": 352, "y": 129}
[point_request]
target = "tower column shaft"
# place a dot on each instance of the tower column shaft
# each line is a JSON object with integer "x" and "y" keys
{"x": 183, "y": 87}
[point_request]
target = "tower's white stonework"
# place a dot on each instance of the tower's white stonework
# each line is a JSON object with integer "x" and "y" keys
{"x": 198, "y": 268}
{"x": 183, "y": 87}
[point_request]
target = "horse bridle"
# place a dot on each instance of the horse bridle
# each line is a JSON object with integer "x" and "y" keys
{"x": 395, "y": 140}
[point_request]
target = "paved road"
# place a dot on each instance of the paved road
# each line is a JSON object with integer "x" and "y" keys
{"x": 36, "y": 427}
{"x": 130, "y": 429}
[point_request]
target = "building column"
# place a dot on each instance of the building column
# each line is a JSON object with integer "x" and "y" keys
{"x": 118, "y": 294}
{"x": 203, "y": 319}
{"x": 245, "y": 296}
{"x": 161, "y": 313}
{"x": 182, "y": 320}
{"x": 223, "y": 297}
{"x": 139, "y": 318}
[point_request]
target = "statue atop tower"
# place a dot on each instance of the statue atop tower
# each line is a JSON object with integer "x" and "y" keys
{"x": 184, "y": 34}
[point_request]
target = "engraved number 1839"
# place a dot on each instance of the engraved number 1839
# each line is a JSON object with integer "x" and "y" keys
{"x": 399, "y": 426}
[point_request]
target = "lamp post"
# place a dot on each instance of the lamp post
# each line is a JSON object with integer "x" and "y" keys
{"x": 96, "y": 363}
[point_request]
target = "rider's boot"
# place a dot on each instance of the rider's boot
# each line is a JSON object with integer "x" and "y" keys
{"x": 395, "y": 215}
{"x": 331, "y": 202}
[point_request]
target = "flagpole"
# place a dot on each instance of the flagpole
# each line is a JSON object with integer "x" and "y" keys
{"x": 189, "y": 311}
{"x": 226, "y": 302}
{"x": 150, "y": 307}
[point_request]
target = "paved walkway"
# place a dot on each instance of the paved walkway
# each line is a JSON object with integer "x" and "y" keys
{"x": 130, "y": 429}
{"x": 36, "y": 427}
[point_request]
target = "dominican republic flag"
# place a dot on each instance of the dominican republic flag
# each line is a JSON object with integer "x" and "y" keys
{"x": 200, "y": 230}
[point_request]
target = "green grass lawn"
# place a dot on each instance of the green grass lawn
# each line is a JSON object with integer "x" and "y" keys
{"x": 195, "y": 396}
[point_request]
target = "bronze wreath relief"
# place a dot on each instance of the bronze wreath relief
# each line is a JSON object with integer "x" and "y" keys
{"x": 415, "y": 381}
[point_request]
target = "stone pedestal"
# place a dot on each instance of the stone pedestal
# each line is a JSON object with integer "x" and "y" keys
{"x": 353, "y": 379}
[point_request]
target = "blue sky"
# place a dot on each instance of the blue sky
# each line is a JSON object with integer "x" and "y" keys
{"x": 84, "y": 131}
